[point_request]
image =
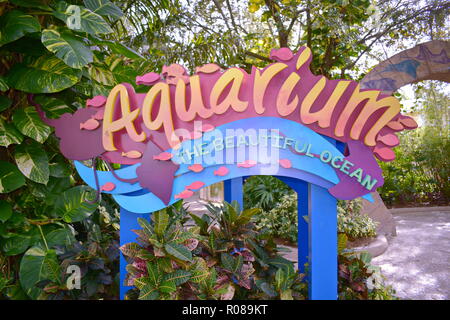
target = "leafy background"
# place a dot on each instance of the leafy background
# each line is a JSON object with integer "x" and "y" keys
{"x": 45, "y": 222}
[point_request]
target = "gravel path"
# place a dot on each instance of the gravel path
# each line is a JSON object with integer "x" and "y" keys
{"x": 417, "y": 262}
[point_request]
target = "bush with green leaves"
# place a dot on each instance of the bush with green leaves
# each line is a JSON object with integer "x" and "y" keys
{"x": 224, "y": 257}
{"x": 354, "y": 224}
{"x": 281, "y": 221}
{"x": 34, "y": 264}
{"x": 264, "y": 192}
{"x": 358, "y": 279}
{"x": 219, "y": 258}
{"x": 45, "y": 221}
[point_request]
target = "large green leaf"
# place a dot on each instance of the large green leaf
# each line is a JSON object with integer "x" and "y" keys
{"x": 68, "y": 47}
{"x": 32, "y": 162}
{"x": 9, "y": 134}
{"x": 5, "y": 210}
{"x": 104, "y": 8}
{"x": 117, "y": 47}
{"x": 36, "y": 265}
{"x": 32, "y": 4}
{"x": 53, "y": 107}
{"x": 146, "y": 227}
{"x": 10, "y": 177}
{"x": 71, "y": 205}
{"x": 16, "y": 244}
{"x": 5, "y": 103}
{"x": 47, "y": 74}
{"x": 154, "y": 274}
{"x": 3, "y": 85}
{"x": 178, "y": 251}
{"x": 232, "y": 264}
{"x": 15, "y": 24}
{"x": 167, "y": 286}
{"x": 148, "y": 292}
{"x": 247, "y": 215}
{"x": 27, "y": 120}
{"x": 59, "y": 167}
{"x": 178, "y": 276}
{"x": 161, "y": 221}
{"x": 79, "y": 18}
{"x": 62, "y": 236}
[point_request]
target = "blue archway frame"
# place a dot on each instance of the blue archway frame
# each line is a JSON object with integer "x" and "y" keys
{"x": 319, "y": 250}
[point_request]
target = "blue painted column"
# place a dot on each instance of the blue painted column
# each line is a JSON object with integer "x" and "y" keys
{"x": 303, "y": 227}
{"x": 322, "y": 211}
{"x": 301, "y": 188}
{"x": 232, "y": 190}
{"x": 128, "y": 221}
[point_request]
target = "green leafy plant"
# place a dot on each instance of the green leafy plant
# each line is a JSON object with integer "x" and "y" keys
{"x": 45, "y": 221}
{"x": 358, "y": 279}
{"x": 264, "y": 192}
{"x": 281, "y": 221}
{"x": 354, "y": 224}
{"x": 218, "y": 258}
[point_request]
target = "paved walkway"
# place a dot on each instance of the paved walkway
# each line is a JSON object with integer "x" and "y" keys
{"x": 417, "y": 262}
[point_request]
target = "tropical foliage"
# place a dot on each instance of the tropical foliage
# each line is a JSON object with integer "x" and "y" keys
{"x": 48, "y": 220}
{"x": 353, "y": 223}
{"x": 223, "y": 257}
{"x": 281, "y": 221}
{"x": 419, "y": 175}
{"x": 219, "y": 258}
{"x": 59, "y": 53}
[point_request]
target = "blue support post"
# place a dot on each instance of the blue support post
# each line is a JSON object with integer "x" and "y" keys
{"x": 303, "y": 232}
{"x": 232, "y": 190}
{"x": 301, "y": 188}
{"x": 128, "y": 221}
{"x": 322, "y": 210}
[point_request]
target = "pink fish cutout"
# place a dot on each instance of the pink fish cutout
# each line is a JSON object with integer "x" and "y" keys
{"x": 285, "y": 163}
{"x": 163, "y": 156}
{"x": 96, "y": 101}
{"x": 222, "y": 171}
{"x": 207, "y": 127}
{"x": 99, "y": 115}
{"x": 384, "y": 153}
{"x": 409, "y": 122}
{"x": 247, "y": 164}
{"x": 395, "y": 125}
{"x": 133, "y": 154}
{"x": 90, "y": 124}
{"x": 195, "y": 185}
{"x": 208, "y": 68}
{"x": 196, "y": 167}
{"x": 389, "y": 139}
{"x": 174, "y": 79}
{"x": 283, "y": 54}
{"x": 184, "y": 194}
{"x": 109, "y": 186}
{"x": 148, "y": 78}
{"x": 173, "y": 70}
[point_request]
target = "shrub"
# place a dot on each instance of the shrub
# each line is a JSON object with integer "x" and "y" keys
{"x": 358, "y": 279}
{"x": 264, "y": 192}
{"x": 354, "y": 224}
{"x": 224, "y": 257}
{"x": 219, "y": 258}
{"x": 280, "y": 221}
